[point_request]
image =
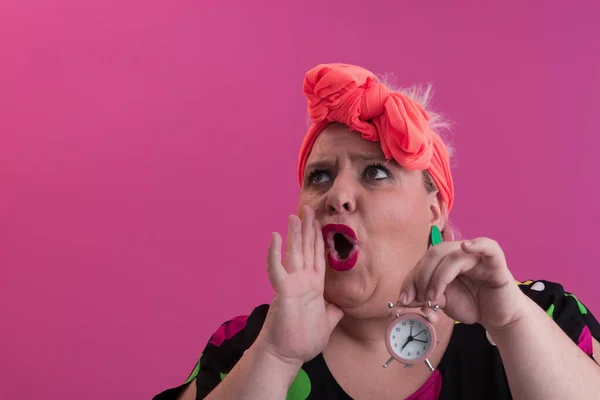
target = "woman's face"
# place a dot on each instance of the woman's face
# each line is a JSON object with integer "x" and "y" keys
{"x": 347, "y": 181}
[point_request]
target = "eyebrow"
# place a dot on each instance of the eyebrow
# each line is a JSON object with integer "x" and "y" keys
{"x": 354, "y": 157}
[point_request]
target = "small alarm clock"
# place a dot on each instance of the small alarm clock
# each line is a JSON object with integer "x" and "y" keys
{"x": 410, "y": 338}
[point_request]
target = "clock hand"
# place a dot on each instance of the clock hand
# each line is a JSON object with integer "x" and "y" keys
{"x": 419, "y": 340}
{"x": 408, "y": 340}
{"x": 419, "y": 333}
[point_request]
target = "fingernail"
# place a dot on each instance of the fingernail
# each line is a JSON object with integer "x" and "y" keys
{"x": 430, "y": 314}
{"x": 404, "y": 298}
{"x": 468, "y": 243}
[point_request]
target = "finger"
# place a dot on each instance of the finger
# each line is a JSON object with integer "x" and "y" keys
{"x": 408, "y": 289}
{"x": 275, "y": 269}
{"x": 319, "y": 262}
{"x": 430, "y": 313}
{"x": 293, "y": 245}
{"x": 308, "y": 237}
{"x": 429, "y": 264}
{"x": 448, "y": 270}
{"x": 397, "y": 310}
{"x": 483, "y": 246}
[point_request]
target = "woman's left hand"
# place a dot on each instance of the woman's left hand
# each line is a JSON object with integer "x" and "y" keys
{"x": 469, "y": 280}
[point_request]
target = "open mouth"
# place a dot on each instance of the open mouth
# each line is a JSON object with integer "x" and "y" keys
{"x": 342, "y": 246}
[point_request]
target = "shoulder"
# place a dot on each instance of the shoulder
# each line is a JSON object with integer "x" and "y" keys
{"x": 566, "y": 309}
{"x": 221, "y": 352}
{"x": 552, "y": 297}
{"x": 473, "y": 361}
{"x": 240, "y": 327}
{"x": 227, "y": 345}
{"x": 236, "y": 335}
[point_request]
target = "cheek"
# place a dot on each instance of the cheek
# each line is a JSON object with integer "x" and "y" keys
{"x": 401, "y": 219}
{"x": 399, "y": 242}
{"x": 307, "y": 199}
{"x": 399, "y": 227}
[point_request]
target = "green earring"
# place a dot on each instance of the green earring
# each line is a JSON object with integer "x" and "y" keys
{"x": 436, "y": 236}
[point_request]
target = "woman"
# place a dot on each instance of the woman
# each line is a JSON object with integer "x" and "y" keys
{"x": 376, "y": 189}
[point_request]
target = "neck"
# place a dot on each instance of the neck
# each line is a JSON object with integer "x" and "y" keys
{"x": 366, "y": 332}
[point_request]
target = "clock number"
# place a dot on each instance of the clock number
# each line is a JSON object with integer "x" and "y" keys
{"x": 424, "y": 348}
{"x": 397, "y": 329}
{"x": 412, "y": 323}
{"x": 409, "y": 354}
{"x": 418, "y": 353}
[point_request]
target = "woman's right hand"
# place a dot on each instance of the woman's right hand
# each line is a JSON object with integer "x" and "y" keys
{"x": 299, "y": 322}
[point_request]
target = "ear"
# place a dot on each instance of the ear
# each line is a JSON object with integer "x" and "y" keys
{"x": 437, "y": 210}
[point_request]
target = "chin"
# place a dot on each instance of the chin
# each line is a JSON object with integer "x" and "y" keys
{"x": 351, "y": 294}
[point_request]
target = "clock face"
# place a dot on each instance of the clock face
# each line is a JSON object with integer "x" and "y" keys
{"x": 410, "y": 338}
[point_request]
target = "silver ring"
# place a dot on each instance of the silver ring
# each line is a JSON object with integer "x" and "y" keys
{"x": 434, "y": 307}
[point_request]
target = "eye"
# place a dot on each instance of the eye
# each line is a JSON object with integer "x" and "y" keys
{"x": 318, "y": 176}
{"x": 377, "y": 172}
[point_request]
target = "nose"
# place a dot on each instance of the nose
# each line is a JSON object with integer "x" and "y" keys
{"x": 341, "y": 197}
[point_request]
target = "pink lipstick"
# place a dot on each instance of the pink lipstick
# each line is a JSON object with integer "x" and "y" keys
{"x": 342, "y": 246}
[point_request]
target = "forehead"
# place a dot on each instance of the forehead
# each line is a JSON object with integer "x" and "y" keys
{"x": 337, "y": 140}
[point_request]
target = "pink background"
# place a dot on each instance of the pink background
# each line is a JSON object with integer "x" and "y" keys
{"x": 138, "y": 191}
